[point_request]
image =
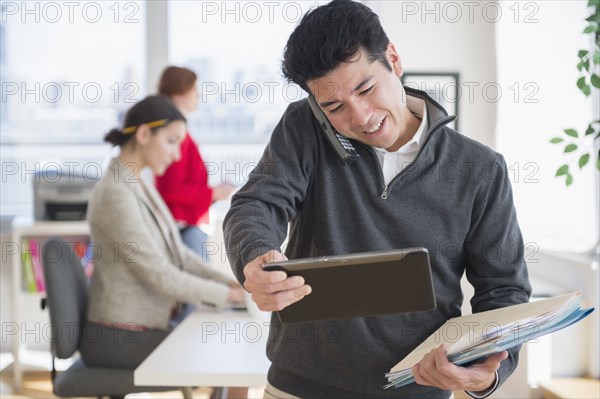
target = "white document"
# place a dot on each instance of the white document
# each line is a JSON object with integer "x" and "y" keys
{"x": 473, "y": 336}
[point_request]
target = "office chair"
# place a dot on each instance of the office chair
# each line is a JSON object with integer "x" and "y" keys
{"x": 66, "y": 298}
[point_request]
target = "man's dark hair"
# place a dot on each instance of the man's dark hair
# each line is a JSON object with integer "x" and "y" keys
{"x": 330, "y": 35}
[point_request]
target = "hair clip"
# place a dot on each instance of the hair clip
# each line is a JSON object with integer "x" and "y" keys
{"x": 158, "y": 123}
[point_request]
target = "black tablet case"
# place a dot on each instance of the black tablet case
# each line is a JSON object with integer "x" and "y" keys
{"x": 361, "y": 285}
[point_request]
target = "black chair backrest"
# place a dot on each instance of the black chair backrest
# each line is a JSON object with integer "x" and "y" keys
{"x": 66, "y": 296}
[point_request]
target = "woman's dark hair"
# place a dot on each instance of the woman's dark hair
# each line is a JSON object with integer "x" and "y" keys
{"x": 176, "y": 80}
{"x": 155, "y": 111}
{"x": 329, "y": 35}
{"x": 116, "y": 137}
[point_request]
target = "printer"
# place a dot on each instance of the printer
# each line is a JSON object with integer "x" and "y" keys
{"x": 61, "y": 196}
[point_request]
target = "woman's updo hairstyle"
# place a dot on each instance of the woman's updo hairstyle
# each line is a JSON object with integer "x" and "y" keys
{"x": 154, "y": 111}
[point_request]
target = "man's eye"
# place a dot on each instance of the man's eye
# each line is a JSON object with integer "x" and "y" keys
{"x": 336, "y": 109}
{"x": 370, "y": 89}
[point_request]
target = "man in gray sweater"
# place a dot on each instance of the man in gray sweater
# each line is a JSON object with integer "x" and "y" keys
{"x": 414, "y": 183}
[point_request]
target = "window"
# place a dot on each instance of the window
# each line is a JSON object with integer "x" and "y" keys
{"x": 69, "y": 69}
{"x": 236, "y": 48}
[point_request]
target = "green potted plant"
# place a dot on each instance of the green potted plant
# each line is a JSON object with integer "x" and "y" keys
{"x": 581, "y": 146}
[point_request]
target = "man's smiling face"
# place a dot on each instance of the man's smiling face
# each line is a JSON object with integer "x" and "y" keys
{"x": 365, "y": 101}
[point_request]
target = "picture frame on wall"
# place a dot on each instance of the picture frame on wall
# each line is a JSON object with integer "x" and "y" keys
{"x": 443, "y": 87}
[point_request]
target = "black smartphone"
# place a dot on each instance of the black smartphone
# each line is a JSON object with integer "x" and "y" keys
{"x": 341, "y": 145}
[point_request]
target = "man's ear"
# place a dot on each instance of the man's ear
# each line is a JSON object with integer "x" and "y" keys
{"x": 394, "y": 59}
{"x": 142, "y": 134}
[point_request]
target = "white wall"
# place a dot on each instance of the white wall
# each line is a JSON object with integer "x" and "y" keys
{"x": 553, "y": 218}
{"x": 544, "y": 54}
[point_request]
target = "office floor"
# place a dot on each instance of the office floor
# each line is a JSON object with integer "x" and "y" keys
{"x": 37, "y": 385}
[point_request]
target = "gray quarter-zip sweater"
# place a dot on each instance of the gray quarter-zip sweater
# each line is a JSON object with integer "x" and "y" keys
{"x": 455, "y": 199}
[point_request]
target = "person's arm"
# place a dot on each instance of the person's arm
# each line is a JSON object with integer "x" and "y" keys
{"x": 185, "y": 182}
{"x": 119, "y": 220}
{"x": 222, "y": 191}
{"x": 496, "y": 268}
{"x": 258, "y": 218}
{"x": 193, "y": 263}
{"x": 496, "y": 265}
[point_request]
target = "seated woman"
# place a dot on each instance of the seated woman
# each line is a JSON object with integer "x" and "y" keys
{"x": 143, "y": 273}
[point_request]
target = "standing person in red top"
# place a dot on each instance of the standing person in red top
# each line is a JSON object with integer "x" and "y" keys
{"x": 184, "y": 186}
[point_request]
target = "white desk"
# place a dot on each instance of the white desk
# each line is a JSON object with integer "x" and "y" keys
{"x": 210, "y": 349}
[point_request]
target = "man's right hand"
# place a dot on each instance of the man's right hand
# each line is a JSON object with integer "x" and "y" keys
{"x": 273, "y": 291}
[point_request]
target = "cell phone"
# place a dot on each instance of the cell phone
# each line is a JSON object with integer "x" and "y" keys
{"x": 341, "y": 145}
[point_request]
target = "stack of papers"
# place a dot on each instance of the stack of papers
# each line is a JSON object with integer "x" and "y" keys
{"x": 471, "y": 337}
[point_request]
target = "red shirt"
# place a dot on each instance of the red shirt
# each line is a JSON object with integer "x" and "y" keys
{"x": 184, "y": 186}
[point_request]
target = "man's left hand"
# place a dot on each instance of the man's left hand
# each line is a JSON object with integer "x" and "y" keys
{"x": 436, "y": 370}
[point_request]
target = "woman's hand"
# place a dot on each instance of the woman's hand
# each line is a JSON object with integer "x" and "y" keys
{"x": 223, "y": 191}
{"x": 236, "y": 294}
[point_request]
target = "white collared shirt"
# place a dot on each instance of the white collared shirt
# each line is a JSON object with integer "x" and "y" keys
{"x": 394, "y": 162}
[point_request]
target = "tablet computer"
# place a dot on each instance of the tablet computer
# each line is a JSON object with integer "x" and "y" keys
{"x": 360, "y": 285}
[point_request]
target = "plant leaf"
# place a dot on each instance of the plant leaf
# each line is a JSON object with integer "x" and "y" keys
{"x": 590, "y": 29}
{"x": 571, "y": 132}
{"x": 570, "y": 148}
{"x": 587, "y": 90}
{"x": 596, "y": 57}
{"x": 592, "y": 18}
{"x": 582, "y": 53}
{"x": 581, "y": 82}
{"x": 563, "y": 170}
{"x": 583, "y": 160}
{"x": 595, "y": 17}
{"x": 592, "y": 3}
{"x": 569, "y": 180}
{"x": 589, "y": 130}
{"x": 580, "y": 66}
{"x": 595, "y": 81}
{"x": 556, "y": 140}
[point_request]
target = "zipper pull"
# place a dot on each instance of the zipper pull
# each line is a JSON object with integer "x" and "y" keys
{"x": 384, "y": 194}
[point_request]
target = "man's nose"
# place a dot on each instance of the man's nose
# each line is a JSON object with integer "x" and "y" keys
{"x": 361, "y": 113}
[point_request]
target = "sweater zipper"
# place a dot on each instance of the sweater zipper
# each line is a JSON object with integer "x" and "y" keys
{"x": 384, "y": 193}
